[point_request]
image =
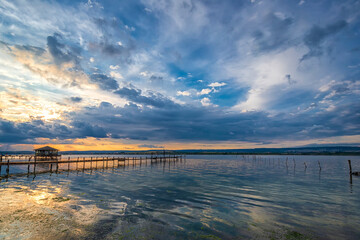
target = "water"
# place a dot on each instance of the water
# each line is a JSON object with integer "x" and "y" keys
{"x": 206, "y": 197}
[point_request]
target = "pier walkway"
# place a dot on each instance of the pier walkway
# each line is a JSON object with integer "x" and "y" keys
{"x": 78, "y": 163}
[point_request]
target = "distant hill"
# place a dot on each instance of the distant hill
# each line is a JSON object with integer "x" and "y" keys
{"x": 330, "y": 150}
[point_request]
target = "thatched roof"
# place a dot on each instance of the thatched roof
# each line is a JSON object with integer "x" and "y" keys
{"x": 47, "y": 148}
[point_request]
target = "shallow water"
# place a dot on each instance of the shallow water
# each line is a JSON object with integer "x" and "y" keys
{"x": 204, "y": 197}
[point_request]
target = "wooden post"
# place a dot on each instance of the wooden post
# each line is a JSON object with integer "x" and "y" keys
{"x": 29, "y": 166}
{"x": 91, "y": 163}
{"x": 77, "y": 161}
{"x": 57, "y": 164}
{"x": 305, "y": 166}
{"x": 350, "y": 169}
{"x": 51, "y": 167}
{"x": 103, "y": 162}
{"x": 34, "y": 166}
{"x": 7, "y": 169}
{"x": 319, "y": 165}
{"x": 350, "y": 172}
{"x": 68, "y": 163}
{"x": 107, "y": 162}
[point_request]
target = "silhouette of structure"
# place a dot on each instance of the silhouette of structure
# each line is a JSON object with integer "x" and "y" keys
{"x": 47, "y": 153}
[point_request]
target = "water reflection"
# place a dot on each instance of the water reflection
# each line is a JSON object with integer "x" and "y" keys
{"x": 207, "y": 197}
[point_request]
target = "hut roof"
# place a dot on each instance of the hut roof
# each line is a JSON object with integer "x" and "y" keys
{"x": 47, "y": 148}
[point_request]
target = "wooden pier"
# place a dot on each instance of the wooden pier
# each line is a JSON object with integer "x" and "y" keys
{"x": 80, "y": 163}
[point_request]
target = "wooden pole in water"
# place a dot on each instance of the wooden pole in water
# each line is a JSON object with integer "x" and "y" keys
{"x": 34, "y": 166}
{"x": 350, "y": 169}
{"x": 319, "y": 165}
{"x": 57, "y": 165}
{"x": 77, "y": 161}
{"x": 305, "y": 166}
{"x": 29, "y": 166}
{"x": 68, "y": 163}
{"x": 7, "y": 169}
{"x": 91, "y": 163}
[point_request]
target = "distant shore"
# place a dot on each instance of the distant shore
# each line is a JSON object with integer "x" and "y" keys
{"x": 333, "y": 150}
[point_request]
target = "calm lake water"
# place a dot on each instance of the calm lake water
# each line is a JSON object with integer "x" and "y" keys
{"x": 204, "y": 197}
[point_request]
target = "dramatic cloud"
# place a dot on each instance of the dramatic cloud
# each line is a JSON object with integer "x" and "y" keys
{"x": 179, "y": 71}
{"x": 105, "y": 82}
{"x": 317, "y": 35}
{"x": 153, "y": 99}
{"x": 274, "y": 34}
{"x": 60, "y": 52}
{"x": 76, "y": 99}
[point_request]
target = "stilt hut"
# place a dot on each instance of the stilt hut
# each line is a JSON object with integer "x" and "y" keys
{"x": 47, "y": 153}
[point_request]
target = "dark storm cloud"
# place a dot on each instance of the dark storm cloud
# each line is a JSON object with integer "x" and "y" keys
{"x": 11, "y": 132}
{"x": 188, "y": 124}
{"x": 105, "y": 82}
{"x": 61, "y": 52}
{"x": 76, "y": 99}
{"x": 153, "y": 99}
{"x": 88, "y": 129}
{"x": 274, "y": 33}
{"x": 211, "y": 124}
{"x": 317, "y": 35}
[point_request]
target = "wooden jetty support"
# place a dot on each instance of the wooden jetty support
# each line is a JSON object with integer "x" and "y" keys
{"x": 82, "y": 163}
{"x": 350, "y": 170}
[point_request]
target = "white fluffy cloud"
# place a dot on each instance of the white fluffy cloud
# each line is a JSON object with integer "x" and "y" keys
{"x": 183, "y": 93}
{"x": 205, "y": 91}
{"x": 217, "y": 84}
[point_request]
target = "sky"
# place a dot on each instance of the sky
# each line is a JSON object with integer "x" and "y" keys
{"x": 179, "y": 74}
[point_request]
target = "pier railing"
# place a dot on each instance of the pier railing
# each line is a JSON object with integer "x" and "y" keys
{"x": 78, "y": 163}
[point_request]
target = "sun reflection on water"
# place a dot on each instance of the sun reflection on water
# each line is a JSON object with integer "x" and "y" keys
{"x": 43, "y": 213}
